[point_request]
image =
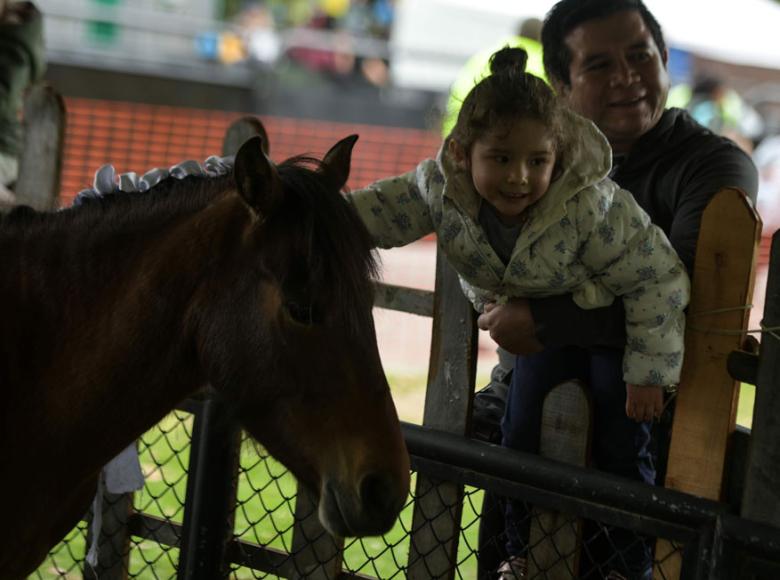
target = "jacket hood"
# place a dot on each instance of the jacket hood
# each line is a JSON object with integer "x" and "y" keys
{"x": 586, "y": 160}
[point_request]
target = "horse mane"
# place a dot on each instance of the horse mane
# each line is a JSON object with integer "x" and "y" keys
{"x": 340, "y": 246}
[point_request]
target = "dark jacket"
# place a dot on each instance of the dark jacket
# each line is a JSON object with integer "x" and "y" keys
{"x": 21, "y": 63}
{"x": 673, "y": 171}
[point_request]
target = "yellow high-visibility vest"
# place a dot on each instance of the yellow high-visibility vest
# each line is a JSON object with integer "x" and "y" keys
{"x": 478, "y": 67}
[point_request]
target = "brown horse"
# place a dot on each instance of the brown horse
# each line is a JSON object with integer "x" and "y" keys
{"x": 259, "y": 283}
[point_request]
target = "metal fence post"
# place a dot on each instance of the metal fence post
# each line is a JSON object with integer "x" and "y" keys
{"x": 761, "y": 500}
{"x": 211, "y": 493}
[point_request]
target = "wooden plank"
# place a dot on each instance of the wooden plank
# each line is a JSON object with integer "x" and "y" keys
{"x": 437, "y": 507}
{"x": 555, "y": 538}
{"x": 241, "y": 130}
{"x": 705, "y": 413}
{"x": 411, "y": 300}
{"x": 43, "y": 137}
{"x": 114, "y": 541}
{"x": 315, "y": 553}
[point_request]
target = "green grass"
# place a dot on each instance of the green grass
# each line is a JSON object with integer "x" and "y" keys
{"x": 747, "y": 398}
{"x": 265, "y": 507}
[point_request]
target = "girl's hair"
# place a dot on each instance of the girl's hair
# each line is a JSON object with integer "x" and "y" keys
{"x": 507, "y": 94}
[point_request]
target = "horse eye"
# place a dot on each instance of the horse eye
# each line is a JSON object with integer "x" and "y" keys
{"x": 300, "y": 313}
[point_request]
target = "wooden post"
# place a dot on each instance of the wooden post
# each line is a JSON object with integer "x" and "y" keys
{"x": 761, "y": 500}
{"x": 554, "y": 539}
{"x": 451, "y": 374}
{"x": 214, "y": 459}
{"x": 43, "y": 137}
{"x": 316, "y": 554}
{"x": 241, "y": 130}
{"x": 114, "y": 541}
{"x": 705, "y": 413}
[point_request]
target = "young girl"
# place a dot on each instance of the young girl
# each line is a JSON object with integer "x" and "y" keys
{"x": 522, "y": 206}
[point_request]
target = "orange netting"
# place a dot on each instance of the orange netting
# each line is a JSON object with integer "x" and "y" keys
{"x": 138, "y": 137}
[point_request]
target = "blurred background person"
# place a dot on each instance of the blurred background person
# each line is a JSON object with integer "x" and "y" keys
{"x": 720, "y": 108}
{"x": 21, "y": 64}
{"x": 528, "y": 37}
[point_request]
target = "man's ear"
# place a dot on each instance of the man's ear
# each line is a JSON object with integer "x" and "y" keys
{"x": 665, "y": 57}
{"x": 458, "y": 154}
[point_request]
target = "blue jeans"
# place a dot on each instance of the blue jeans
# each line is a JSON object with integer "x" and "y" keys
{"x": 620, "y": 445}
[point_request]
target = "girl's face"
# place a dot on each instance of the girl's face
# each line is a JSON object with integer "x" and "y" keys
{"x": 512, "y": 167}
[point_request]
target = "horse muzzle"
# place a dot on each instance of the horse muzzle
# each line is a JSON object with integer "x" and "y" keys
{"x": 371, "y": 509}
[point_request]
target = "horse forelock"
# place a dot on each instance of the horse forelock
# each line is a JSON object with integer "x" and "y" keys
{"x": 341, "y": 257}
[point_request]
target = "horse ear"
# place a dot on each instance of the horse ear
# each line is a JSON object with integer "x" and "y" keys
{"x": 257, "y": 180}
{"x": 338, "y": 159}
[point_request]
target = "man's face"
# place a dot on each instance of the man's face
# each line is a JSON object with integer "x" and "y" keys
{"x": 618, "y": 78}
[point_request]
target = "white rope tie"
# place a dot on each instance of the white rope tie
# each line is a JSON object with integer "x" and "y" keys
{"x": 773, "y": 330}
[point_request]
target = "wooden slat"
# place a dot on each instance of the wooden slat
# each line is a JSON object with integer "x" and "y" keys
{"x": 437, "y": 508}
{"x": 554, "y": 541}
{"x": 315, "y": 553}
{"x": 411, "y": 300}
{"x": 241, "y": 130}
{"x": 43, "y": 136}
{"x": 114, "y": 542}
{"x": 706, "y": 406}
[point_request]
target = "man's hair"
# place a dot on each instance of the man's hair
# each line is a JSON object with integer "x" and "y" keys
{"x": 566, "y": 15}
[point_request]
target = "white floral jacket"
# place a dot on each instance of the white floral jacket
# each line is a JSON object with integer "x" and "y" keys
{"x": 586, "y": 236}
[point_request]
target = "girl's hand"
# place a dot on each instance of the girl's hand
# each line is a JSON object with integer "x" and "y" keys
{"x": 511, "y": 325}
{"x": 644, "y": 402}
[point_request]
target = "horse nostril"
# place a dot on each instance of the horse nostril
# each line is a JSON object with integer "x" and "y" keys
{"x": 378, "y": 494}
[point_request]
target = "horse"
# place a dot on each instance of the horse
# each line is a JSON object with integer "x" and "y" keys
{"x": 258, "y": 283}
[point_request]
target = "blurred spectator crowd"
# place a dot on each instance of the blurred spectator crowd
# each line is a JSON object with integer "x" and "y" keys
{"x": 346, "y": 40}
{"x": 338, "y": 38}
{"x": 718, "y": 106}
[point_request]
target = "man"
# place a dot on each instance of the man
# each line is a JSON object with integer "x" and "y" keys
{"x": 608, "y": 60}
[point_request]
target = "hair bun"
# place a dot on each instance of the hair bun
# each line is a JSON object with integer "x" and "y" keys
{"x": 508, "y": 60}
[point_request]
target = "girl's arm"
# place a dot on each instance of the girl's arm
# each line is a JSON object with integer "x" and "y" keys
{"x": 633, "y": 259}
{"x": 398, "y": 210}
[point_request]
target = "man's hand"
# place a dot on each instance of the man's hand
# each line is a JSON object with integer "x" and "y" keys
{"x": 511, "y": 325}
{"x": 644, "y": 402}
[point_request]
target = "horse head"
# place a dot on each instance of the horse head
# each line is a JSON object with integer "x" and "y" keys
{"x": 290, "y": 338}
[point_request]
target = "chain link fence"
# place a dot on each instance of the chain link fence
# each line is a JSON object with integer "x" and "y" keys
{"x": 266, "y": 515}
